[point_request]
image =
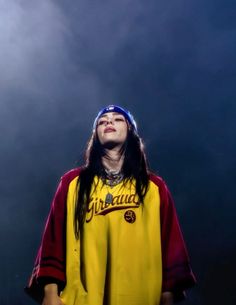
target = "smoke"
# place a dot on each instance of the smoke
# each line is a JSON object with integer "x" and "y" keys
{"x": 32, "y": 39}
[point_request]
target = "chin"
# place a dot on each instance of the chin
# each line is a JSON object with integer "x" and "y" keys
{"x": 111, "y": 144}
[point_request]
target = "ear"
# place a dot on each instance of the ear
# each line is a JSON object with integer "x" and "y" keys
{"x": 128, "y": 125}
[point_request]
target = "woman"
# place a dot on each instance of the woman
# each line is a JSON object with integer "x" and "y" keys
{"x": 112, "y": 236}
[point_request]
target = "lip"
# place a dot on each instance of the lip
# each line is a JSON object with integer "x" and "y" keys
{"x": 109, "y": 129}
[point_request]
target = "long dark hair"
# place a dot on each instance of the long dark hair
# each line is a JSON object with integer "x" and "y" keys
{"x": 134, "y": 166}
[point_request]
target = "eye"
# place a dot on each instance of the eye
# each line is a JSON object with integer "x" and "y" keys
{"x": 119, "y": 119}
{"x": 101, "y": 122}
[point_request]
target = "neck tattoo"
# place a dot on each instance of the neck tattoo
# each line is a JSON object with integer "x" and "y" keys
{"x": 111, "y": 178}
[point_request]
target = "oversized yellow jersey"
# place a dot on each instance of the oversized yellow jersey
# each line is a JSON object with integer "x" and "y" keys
{"x": 118, "y": 260}
{"x": 128, "y": 254}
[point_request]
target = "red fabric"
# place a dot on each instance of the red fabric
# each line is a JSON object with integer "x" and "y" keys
{"x": 177, "y": 274}
{"x": 50, "y": 264}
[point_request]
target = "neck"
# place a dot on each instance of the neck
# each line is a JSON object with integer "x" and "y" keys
{"x": 113, "y": 160}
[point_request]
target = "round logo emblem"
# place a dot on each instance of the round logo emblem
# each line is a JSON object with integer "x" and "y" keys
{"x": 130, "y": 216}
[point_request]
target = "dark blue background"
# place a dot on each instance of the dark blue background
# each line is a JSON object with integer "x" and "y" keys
{"x": 173, "y": 65}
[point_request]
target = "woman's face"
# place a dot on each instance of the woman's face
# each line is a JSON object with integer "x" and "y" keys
{"x": 112, "y": 129}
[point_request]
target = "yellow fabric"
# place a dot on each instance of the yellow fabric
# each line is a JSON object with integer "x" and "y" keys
{"x": 118, "y": 261}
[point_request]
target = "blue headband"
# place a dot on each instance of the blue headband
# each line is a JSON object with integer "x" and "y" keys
{"x": 114, "y": 108}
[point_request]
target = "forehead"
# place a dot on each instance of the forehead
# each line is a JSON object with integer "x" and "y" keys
{"x": 110, "y": 114}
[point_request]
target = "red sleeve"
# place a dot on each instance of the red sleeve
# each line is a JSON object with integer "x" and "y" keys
{"x": 50, "y": 264}
{"x": 177, "y": 273}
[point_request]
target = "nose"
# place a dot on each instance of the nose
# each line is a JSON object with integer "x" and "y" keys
{"x": 109, "y": 121}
